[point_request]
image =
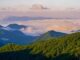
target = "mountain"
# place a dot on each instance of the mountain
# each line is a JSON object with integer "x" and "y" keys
{"x": 51, "y": 34}
{"x": 15, "y": 18}
{"x": 16, "y": 26}
{"x": 63, "y": 48}
{"x": 15, "y": 36}
{"x": 25, "y": 18}
{"x": 54, "y": 33}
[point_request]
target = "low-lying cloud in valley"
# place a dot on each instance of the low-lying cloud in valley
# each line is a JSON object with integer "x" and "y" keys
{"x": 37, "y": 27}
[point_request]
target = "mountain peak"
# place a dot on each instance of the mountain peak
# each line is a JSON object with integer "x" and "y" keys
{"x": 16, "y": 26}
{"x": 55, "y": 33}
{"x": 51, "y": 34}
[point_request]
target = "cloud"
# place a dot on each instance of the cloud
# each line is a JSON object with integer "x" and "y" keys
{"x": 41, "y": 26}
{"x": 28, "y": 30}
{"x": 38, "y": 7}
{"x": 31, "y": 31}
{"x": 37, "y": 27}
{"x": 3, "y": 9}
{"x": 43, "y": 13}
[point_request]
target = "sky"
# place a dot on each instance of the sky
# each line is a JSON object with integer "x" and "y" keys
{"x": 48, "y": 3}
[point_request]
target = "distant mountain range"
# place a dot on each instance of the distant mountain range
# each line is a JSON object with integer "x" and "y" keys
{"x": 13, "y": 34}
{"x": 24, "y": 18}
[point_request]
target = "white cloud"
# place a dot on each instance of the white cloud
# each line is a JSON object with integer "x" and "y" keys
{"x": 38, "y": 7}
{"x": 41, "y": 26}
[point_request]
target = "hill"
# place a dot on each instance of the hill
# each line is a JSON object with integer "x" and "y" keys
{"x": 63, "y": 48}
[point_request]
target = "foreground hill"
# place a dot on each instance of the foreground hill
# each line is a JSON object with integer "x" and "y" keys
{"x": 63, "y": 48}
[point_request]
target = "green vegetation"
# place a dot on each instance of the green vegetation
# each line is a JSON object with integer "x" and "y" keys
{"x": 62, "y": 48}
{"x": 10, "y": 47}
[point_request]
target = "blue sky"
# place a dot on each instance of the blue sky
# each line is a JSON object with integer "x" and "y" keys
{"x": 48, "y": 3}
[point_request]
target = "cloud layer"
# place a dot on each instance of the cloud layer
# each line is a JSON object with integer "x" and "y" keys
{"x": 38, "y": 26}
